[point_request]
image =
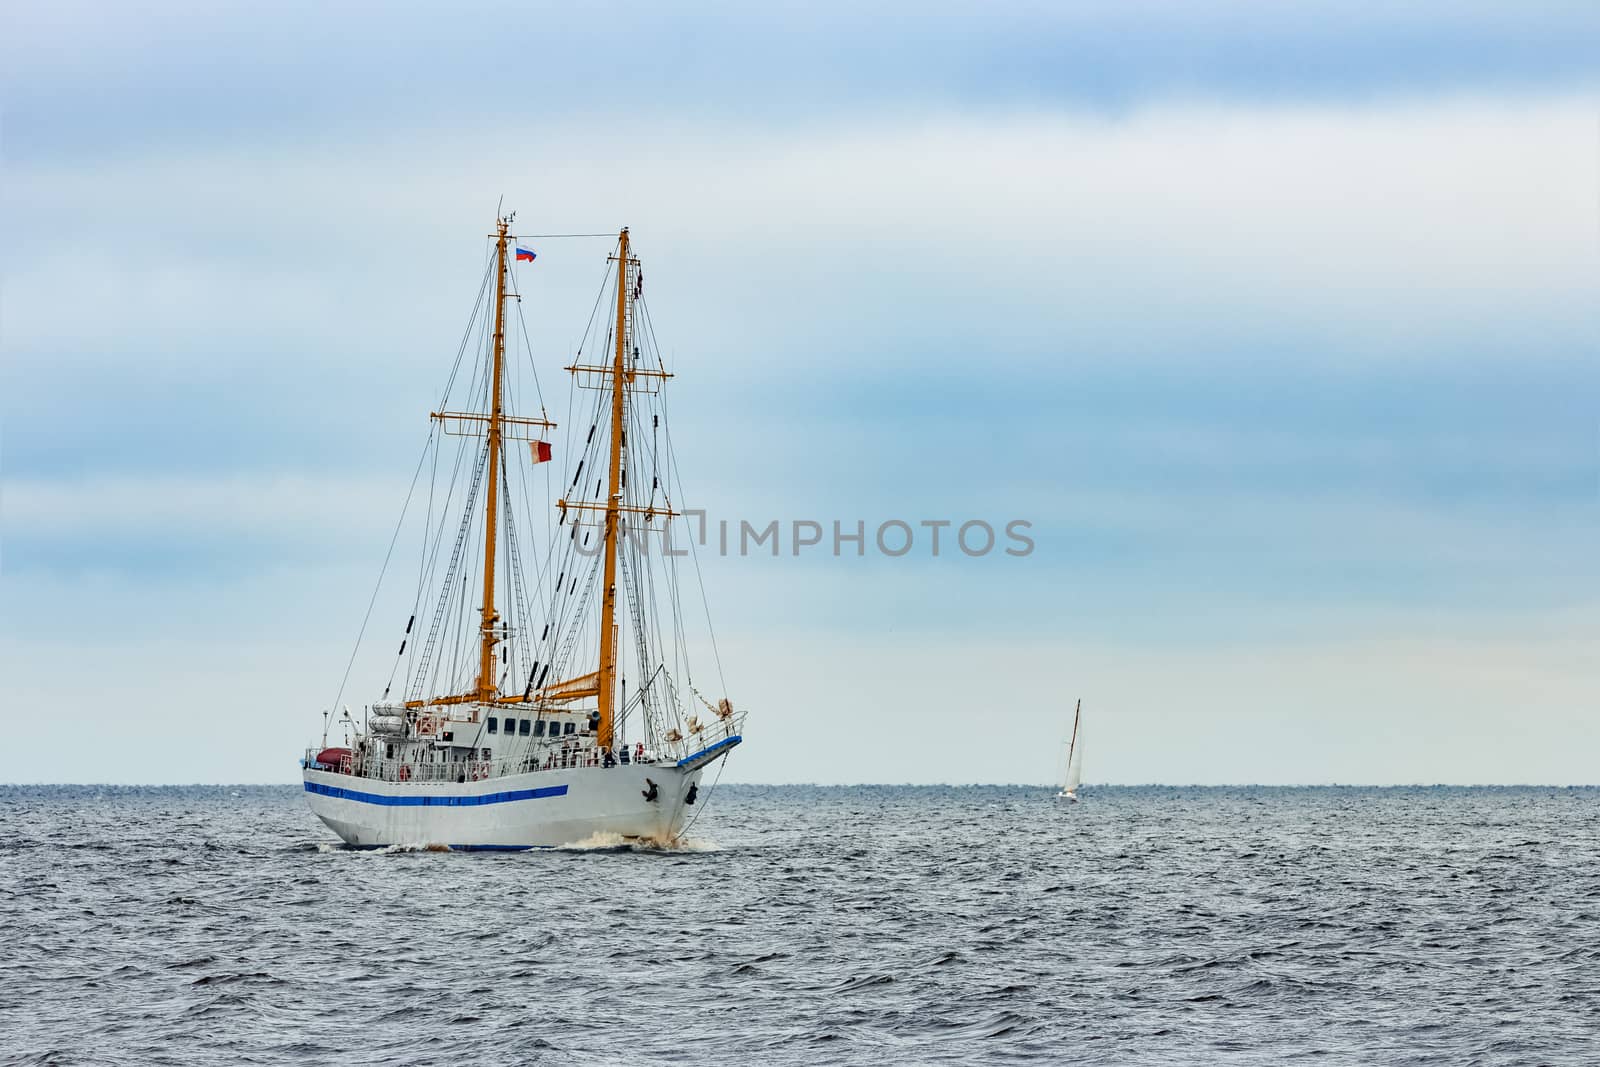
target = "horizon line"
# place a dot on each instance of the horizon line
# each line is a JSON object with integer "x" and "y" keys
{"x": 902, "y": 785}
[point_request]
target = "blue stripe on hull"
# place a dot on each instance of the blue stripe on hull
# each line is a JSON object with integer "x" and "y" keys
{"x": 425, "y": 801}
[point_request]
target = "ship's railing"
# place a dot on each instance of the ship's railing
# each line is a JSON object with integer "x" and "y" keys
{"x": 687, "y": 744}
{"x": 401, "y": 770}
{"x": 543, "y": 758}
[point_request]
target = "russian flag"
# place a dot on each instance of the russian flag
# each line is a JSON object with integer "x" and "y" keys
{"x": 526, "y": 255}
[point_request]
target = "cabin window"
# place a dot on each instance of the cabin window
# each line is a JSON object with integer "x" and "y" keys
{"x": 449, "y": 735}
{"x": 572, "y": 728}
{"x": 522, "y": 727}
{"x": 388, "y": 751}
{"x": 511, "y": 727}
{"x": 538, "y": 728}
{"x": 493, "y": 724}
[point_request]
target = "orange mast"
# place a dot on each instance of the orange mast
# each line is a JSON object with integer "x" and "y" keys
{"x": 488, "y": 685}
{"x": 620, "y": 376}
{"x": 608, "y": 603}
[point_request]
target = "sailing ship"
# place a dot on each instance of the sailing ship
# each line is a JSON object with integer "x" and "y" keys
{"x": 517, "y": 726}
{"x": 1069, "y": 787}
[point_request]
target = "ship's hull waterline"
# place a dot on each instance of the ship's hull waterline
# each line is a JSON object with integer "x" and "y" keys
{"x": 544, "y": 809}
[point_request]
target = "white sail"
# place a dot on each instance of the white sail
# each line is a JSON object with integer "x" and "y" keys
{"x": 1074, "y": 754}
{"x": 1075, "y": 766}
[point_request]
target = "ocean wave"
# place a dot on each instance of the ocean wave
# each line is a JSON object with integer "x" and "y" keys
{"x": 609, "y": 842}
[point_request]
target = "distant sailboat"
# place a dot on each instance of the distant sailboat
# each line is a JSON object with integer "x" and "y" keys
{"x": 1069, "y": 790}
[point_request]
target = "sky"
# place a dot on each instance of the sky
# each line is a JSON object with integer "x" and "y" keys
{"x": 1276, "y": 323}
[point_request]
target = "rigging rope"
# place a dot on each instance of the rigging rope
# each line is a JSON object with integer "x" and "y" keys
{"x": 694, "y": 553}
{"x": 381, "y": 571}
{"x": 372, "y": 601}
{"x": 683, "y": 834}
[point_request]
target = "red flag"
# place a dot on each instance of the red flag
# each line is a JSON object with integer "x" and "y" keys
{"x": 540, "y": 450}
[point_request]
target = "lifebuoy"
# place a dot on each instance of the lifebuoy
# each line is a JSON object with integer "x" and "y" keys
{"x": 405, "y": 772}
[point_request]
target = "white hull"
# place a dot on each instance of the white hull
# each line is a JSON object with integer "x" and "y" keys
{"x": 543, "y": 809}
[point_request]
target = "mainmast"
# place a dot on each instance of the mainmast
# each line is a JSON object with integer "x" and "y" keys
{"x": 500, "y": 428}
{"x": 608, "y": 603}
{"x": 488, "y": 685}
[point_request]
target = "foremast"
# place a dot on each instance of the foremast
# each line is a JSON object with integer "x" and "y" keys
{"x": 608, "y": 602}
{"x": 619, "y": 377}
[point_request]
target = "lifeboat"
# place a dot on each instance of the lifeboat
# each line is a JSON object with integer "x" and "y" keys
{"x": 336, "y": 759}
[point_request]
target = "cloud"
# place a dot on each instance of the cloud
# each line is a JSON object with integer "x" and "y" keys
{"x": 90, "y": 79}
{"x": 1188, "y": 228}
{"x": 1175, "y": 336}
{"x": 216, "y": 507}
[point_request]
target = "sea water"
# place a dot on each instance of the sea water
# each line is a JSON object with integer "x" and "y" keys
{"x": 878, "y": 925}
